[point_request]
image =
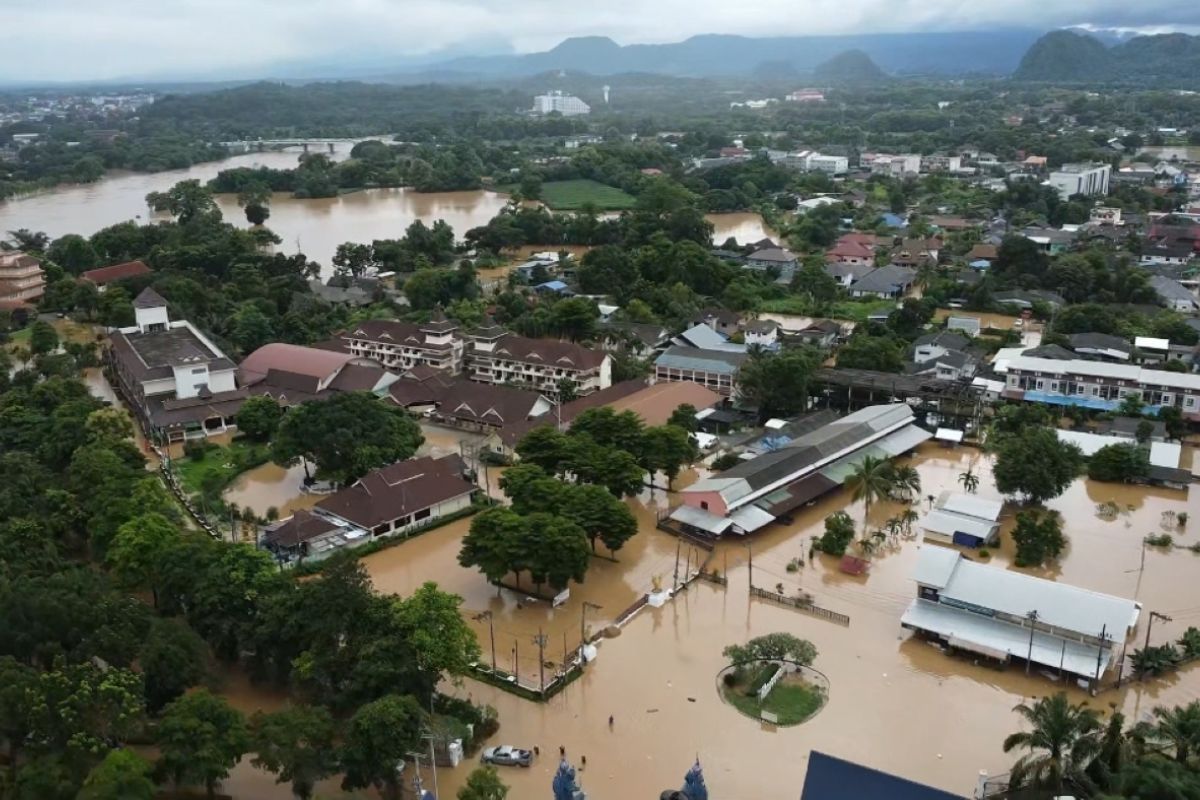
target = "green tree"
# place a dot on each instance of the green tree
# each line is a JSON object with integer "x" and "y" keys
{"x": 1039, "y": 537}
{"x": 483, "y": 784}
{"x": 667, "y": 448}
{"x": 250, "y": 328}
{"x": 1119, "y": 463}
{"x": 1172, "y": 418}
{"x": 839, "y": 533}
{"x": 346, "y": 436}
{"x": 259, "y": 417}
{"x": 432, "y": 624}
{"x": 870, "y": 480}
{"x": 1062, "y": 741}
{"x": 876, "y": 353}
{"x": 122, "y": 775}
{"x": 172, "y": 661}
{"x": 772, "y": 647}
{"x": 1131, "y": 405}
{"x": 189, "y": 201}
{"x": 614, "y": 469}
{"x": 200, "y": 739}
{"x": 544, "y": 446}
{"x": 555, "y": 550}
{"x": 490, "y": 543}
{"x": 1036, "y": 464}
{"x": 353, "y": 259}
{"x": 777, "y": 383}
{"x": 1173, "y": 732}
{"x": 42, "y": 338}
{"x": 297, "y": 744}
{"x": 140, "y": 549}
{"x": 73, "y": 253}
{"x": 377, "y": 739}
{"x": 574, "y": 318}
{"x": 684, "y": 417}
{"x": 18, "y": 693}
{"x": 599, "y": 514}
{"x": 969, "y": 480}
{"x": 565, "y": 389}
{"x": 112, "y": 424}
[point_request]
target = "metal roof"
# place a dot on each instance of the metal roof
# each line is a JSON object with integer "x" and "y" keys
{"x": 695, "y": 359}
{"x": 1100, "y": 369}
{"x": 948, "y": 523}
{"x": 1058, "y": 604}
{"x": 970, "y": 505}
{"x": 830, "y": 778}
{"x": 699, "y": 518}
{"x": 1166, "y": 454}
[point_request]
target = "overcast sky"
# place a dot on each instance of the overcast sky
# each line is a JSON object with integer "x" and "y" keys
{"x": 100, "y": 39}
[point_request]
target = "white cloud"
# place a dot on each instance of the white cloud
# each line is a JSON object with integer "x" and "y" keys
{"x": 81, "y": 39}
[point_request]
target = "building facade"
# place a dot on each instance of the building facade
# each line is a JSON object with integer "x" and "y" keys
{"x": 1099, "y": 385}
{"x": 1086, "y": 179}
{"x": 22, "y": 279}
{"x": 565, "y": 104}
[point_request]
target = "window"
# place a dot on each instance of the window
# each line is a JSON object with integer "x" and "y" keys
{"x": 420, "y": 515}
{"x": 200, "y": 370}
{"x": 704, "y": 505}
{"x": 1040, "y": 384}
{"x": 1191, "y": 401}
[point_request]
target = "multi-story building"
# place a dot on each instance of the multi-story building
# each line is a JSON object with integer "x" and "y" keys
{"x": 830, "y": 165}
{"x": 805, "y": 96}
{"x": 22, "y": 279}
{"x": 715, "y": 369}
{"x": 403, "y": 345}
{"x": 178, "y": 382}
{"x": 941, "y": 163}
{"x": 1100, "y": 385}
{"x": 1086, "y": 179}
{"x": 497, "y": 356}
{"x": 565, "y": 104}
{"x": 895, "y": 165}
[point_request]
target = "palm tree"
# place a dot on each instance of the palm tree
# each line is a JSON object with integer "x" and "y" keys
{"x": 907, "y": 517}
{"x": 1063, "y": 740}
{"x": 1175, "y": 731}
{"x": 907, "y": 482}
{"x": 969, "y": 480}
{"x": 872, "y": 479}
{"x": 1116, "y": 751}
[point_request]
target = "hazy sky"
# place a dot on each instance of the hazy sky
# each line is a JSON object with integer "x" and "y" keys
{"x": 82, "y": 39}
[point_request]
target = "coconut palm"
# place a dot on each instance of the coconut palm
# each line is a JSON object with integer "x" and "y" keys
{"x": 969, "y": 480}
{"x": 1174, "y": 731}
{"x": 1062, "y": 742}
{"x": 1117, "y": 749}
{"x": 906, "y": 482}
{"x": 872, "y": 479}
{"x": 907, "y": 517}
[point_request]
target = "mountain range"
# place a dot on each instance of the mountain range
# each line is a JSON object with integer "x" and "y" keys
{"x": 1071, "y": 57}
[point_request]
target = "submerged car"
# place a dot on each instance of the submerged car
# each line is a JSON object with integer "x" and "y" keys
{"x": 507, "y": 756}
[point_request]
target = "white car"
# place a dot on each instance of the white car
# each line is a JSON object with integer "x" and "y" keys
{"x": 507, "y": 756}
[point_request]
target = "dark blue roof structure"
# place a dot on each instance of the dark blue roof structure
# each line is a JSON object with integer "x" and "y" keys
{"x": 831, "y": 778}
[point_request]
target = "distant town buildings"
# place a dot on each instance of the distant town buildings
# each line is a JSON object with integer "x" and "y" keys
{"x": 565, "y": 104}
{"x": 805, "y": 96}
{"x": 1086, "y": 179}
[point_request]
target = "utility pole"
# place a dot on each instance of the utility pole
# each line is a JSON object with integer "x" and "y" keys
{"x": 1100, "y": 651}
{"x": 516, "y": 669}
{"x": 675, "y": 580}
{"x": 750, "y": 571}
{"x": 1032, "y": 616}
{"x": 583, "y": 625}
{"x": 491, "y": 633}
{"x": 1153, "y": 616}
{"x": 540, "y": 641}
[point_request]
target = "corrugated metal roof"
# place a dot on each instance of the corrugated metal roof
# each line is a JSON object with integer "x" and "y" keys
{"x": 970, "y": 505}
{"x": 691, "y": 358}
{"x": 751, "y": 518}
{"x": 699, "y": 518}
{"x": 1166, "y": 454}
{"x": 948, "y": 523}
{"x": 904, "y": 440}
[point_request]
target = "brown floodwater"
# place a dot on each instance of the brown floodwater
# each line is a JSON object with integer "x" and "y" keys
{"x": 314, "y": 227}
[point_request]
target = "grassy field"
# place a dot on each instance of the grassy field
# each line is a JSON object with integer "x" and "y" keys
{"x": 852, "y": 310}
{"x": 571, "y": 195}
{"x": 219, "y": 466}
{"x": 792, "y": 701}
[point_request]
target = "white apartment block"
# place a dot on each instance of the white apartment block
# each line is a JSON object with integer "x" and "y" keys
{"x": 1100, "y": 385}
{"x": 830, "y": 165}
{"x": 565, "y": 104}
{"x": 401, "y": 346}
{"x": 1086, "y": 179}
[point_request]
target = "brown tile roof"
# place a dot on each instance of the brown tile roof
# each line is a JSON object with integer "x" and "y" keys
{"x": 293, "y": 358}
{"x": 358, "y": 378}
{"x": 655, "y": 404}
{"x": 302, "y": 526}
{"x": 488, "y": 404}
{"x": 116, "y": 272}
{"x": 407, "y": 393}
{"x": 149, "y": 299}
{"x": 515, "y": 432}
{"x": 391, "y": 332}
{"x": 983, "y": 250}
{"x": 399, "y": 490}
{"x": 546, "y": 352}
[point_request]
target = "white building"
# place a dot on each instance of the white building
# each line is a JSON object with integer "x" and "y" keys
{"x": 1099, "y": 385}
{"x": 1087, "y": 179}
{"x": 1002, "y": 614}
{"x": 565, "y": 104}
{"x": 830, "y": 165}
{"x": 963, "y": 519}
{"x": 895, "y": 165}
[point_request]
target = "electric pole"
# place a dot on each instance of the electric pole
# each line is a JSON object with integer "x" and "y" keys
{"x": 540, "y": 641}
{"x": 1153, "y": 616}
{"x": 1032, "y": 616}
{"x": 491, "y": 633}
{"x": 675, "y": 580}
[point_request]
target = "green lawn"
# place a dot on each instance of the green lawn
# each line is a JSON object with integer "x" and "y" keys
{"x": 793, "y": 700}
{"x": 852, "y": 310}
{"x": 219, "y": 466}
{"x": 571, "y": 195}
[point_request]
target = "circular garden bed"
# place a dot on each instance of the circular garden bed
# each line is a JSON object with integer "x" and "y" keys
{"x": 779, "y": 692}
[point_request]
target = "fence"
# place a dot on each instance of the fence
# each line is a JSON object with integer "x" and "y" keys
{"x": 801, "y": 605}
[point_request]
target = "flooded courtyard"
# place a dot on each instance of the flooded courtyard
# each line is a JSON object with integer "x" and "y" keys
{"x": 895, "y": 703}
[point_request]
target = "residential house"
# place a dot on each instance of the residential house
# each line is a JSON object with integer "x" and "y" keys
{"x": 103, "y": 276}
{"x": 990, "y": 612}
{"x": 822, "y": 334}
{"x": 851, "y": 251}
{"x": 402, "y": 497}
{"x": 830, "y": 778}
{"x": 1105, "y": 215}
{"x": 898, "y": 166}
{"x": 889, "y": 281}
{"x": 1173, "y": 294}
{"x": 916, "y": 253}
{"x": 932, "y": 346}
{"x": 983, "y": 251}
{"x": 773, "y": 258}
{"x": 761, "y": 333}
{"x": 971, "y": 326}
{"x": 179, "y": 384}
{"x": 305, "y": 535}
{"x": 640, "y": 339}
{"x": 830, "y": 165}
{"x": 847, "y": 274}
{"x": 1099, "y": 385}
{"x": 721, "y": 320}
{"x": 293, "y": 374}
{"x": 22, "y": 279}
{"x": 943, "y": 222}
{"x": 1051, "y": 240}
{"x": 756, "y": 492}
{"x": 1026, "y": 298}
{"x": 963, "y": 519}
{"x": 953, "y": 365}
{"x": 1103, "y": 346}
{"x": 941, "y": 163}
{"x": 1127, "y": 428}
{"x": 705, "y": 338}
{"x": 556, "y": 286}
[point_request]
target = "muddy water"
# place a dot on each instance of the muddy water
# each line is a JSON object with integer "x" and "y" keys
{"x": 271, "y": 486}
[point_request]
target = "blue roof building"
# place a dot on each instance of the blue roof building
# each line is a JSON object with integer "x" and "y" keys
{"x": 895, "y": 220}
{"x": 831, "y": 778}
{"x": 558, "y": 287}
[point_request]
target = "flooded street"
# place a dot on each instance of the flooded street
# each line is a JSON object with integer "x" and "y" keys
{"x": 313, "y": 227}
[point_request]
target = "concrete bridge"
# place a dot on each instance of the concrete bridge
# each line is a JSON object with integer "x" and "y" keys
{"x": 260, "y": 145}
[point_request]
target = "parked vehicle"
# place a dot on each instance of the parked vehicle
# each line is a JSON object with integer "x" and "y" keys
{"x": 507, "y": 756}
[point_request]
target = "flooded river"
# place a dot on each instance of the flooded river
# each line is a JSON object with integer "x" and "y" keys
{"x": 895, "y": 703}
{"x": 314, "y": 227}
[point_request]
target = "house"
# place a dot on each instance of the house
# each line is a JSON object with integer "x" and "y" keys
{"x": 705, "y": 338}
{"x": 761, "y": 332}
{"x": 1127, "y": 428}
{"x": 1001, "y": 614}
{"x": 830, "y": 165}
{"x": 830, "y": 778}
{"x": 402, "y": 497}
{"x": 179, "y": 384}
{"x": 971, "y": 326}
{"x": 641, "y": 339}
{"x": 847, "y": 273}
{"x": 948, "y": 223}
{"x": 292, "y": 373}
{"x": 886, "y": 282}
{"x": 822, "y": 334}
{"x": 1050, "y": 240}
{"x": 1102, "y": 346}
{"x": 773, "y": 258}
{"x": 404, "y": 345}
{"x": 756, "y": 492}
{"x": 932, "y": 346}
{"x": 22, "y": 279}
{"x": 1173, "y": 294}
{"x": 1105, "y": 215}
{"x": 915, "y": 253}
{"x": 307, "y": 535}
{"x": 953, "y": 365}
{"x": 963, "y": 519}
{"x": 1085, "y": 179}
{"x": 103, "y": 276}
{"x": 715, "y": 369}
{"x": 893, "y": 220}
{"x": 1025, "y": 299}
{"x": 1151, "y": 350}
{"x": 983, "y": 251}
{"x": 1099, "y": 385}
{"x": 554, "y": 287}
{"x": 496, "y": 356}
{"x": 851, "y": 251}
{"x": 720, "y": 320}
{"x": 475, "y": 406}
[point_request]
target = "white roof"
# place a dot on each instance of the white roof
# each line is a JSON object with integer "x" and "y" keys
{"x": 1004, "y": 357}
{"x": 699, "y": 518}
{"x": 903, "y": 440}
{"x": 1089, "y": 443}
{"x": 1166, "y": 454}
{"x": 751, "y": 518}
{"x": 1016, "y": 594}
{"x": 987, "y": 385}
{"x": 971, "y": 506}
{"x": 1151, "y": 343}
{"x": 704, "y": 412}
{"x": 948, "y": 435}
{"x": 775, "y": 424}
{"x": 1128, "y": 372}
{"x": 996, "y": 638}
{"x": 948, "y": 523}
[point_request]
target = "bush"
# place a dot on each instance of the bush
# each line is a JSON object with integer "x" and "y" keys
{"x": 760, "y": 680}
{"x": 839, "y": 532}
{"x": 197, "y": 449}
{"x": 725, "y": 461}
{"x": 985, "y": 553}
{"x": 1160, "y": 540}
{"x": 1039, "y": 537}
{"x": 729, "y": 679}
